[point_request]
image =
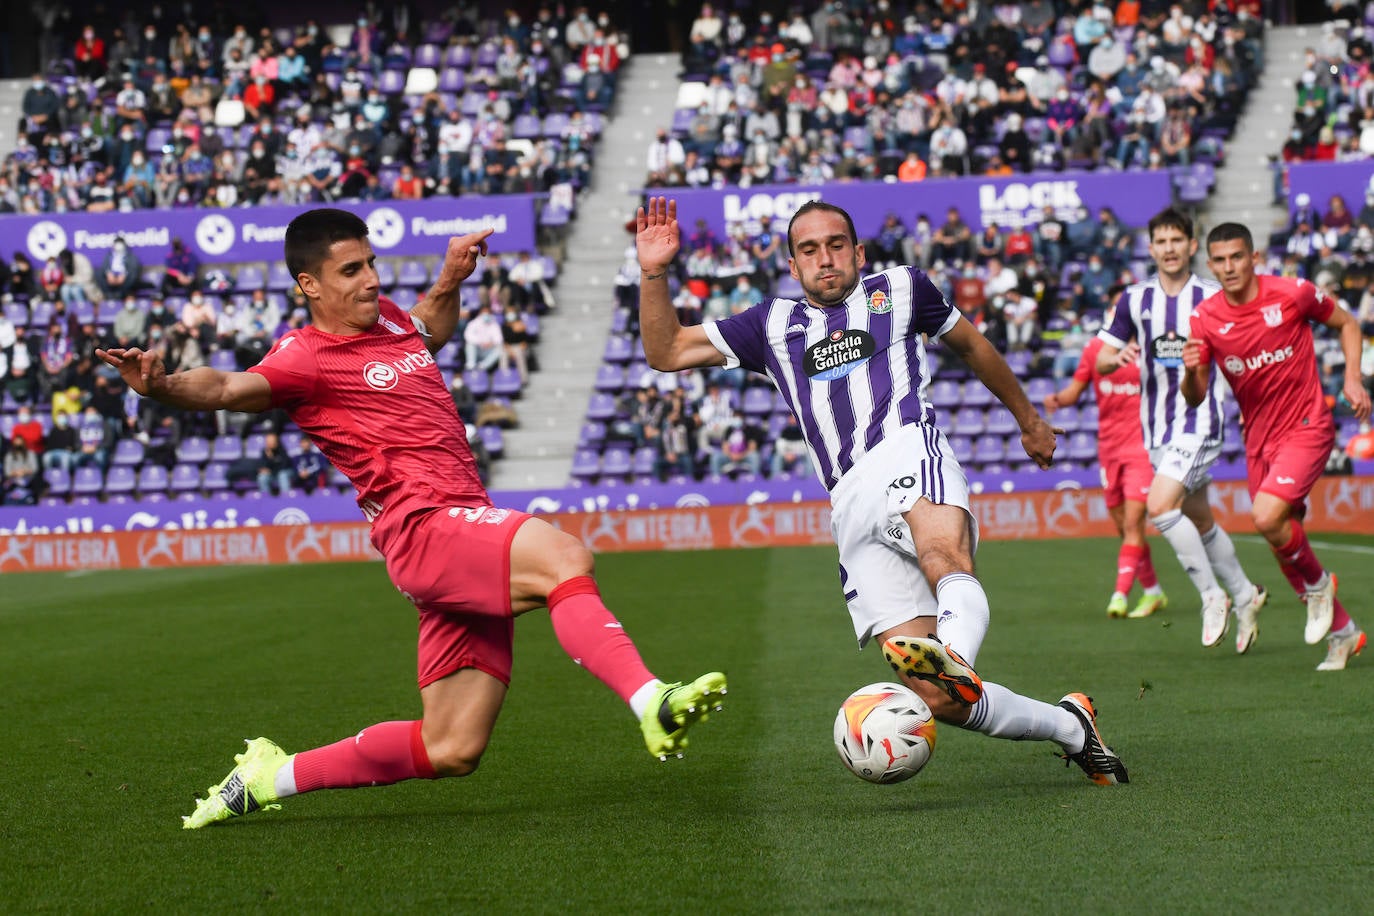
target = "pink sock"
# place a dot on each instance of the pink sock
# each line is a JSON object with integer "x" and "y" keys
{"x": 1127, "y": 561}
{"x": 377, "y": 756}
{"x": 594, "y": 639}
{"x": 1298, "y": 554}
{"x": 1145, "y": 569}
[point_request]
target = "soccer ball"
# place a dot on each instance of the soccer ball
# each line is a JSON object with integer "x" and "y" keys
{"x": 884, "y": 733}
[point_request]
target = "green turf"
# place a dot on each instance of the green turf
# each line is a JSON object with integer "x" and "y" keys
{"x": 124, "y": 694}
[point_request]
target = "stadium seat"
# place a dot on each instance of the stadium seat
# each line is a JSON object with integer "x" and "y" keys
{"x": 250, "y": 277}
{"x": 1066, "y": 418}
{"x": 757, "y": 401}
{"x": 989, "y": 450}
{"x": 999, "y": 422}
{"x": 1081, "y": 446}
{"x": 1037, "y": 389}
{"x": 193, "y": 450}
{"x": 616, "y": 461}
{"x": 450, "y": 355}
{"x": 601, "y": 406}
{"x": 962, "y": 447}
{"x": 412, "y": 273}
{"x": 152, "y": 478}
{"x": 426, "y": 55}
{"x": 592, "y": 434}
{"x": 494, "y": 440}
{"x": 506, "y": 382}
{"x": 586, "y": 464}
{"x": 127, "y": 452}
{"x": 968, "y": 422}
{"x": 88, "y": 481}
{"x": 944, "y": 394}
{"x": 975, "y": 394}
{"x": 279, "y": 278}
{"x": 644, "y": 461}
{"x": 392, "y": 82}
{"x": 227, "y": 447}
{"x": 185, "y": 478}
{"x": 59, "y": 482}
{"x": 216, "y": 477}
{"x": 610, "y": 378}
{"x": 619, "y": 349}
{"x": 120, "y": 479}
{"x": 478, "y": 381}
{"x": 451, "y": 80}
{"x": 1087, "y": 418}
{"x": 223, "y": 360}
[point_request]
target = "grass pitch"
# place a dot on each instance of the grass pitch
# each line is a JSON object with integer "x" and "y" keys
{"x": 123, "y": 695}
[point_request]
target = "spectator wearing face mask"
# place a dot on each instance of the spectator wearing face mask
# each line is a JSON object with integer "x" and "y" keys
{"x": 130, "y": 325}
{"x": 121, "y": 271}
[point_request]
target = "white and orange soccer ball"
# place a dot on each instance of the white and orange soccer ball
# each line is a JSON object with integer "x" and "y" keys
{"x": 884, "y": 733}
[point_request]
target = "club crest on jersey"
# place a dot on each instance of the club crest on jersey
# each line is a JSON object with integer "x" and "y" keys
{"x": 1273, "y": 314}
{"x": 1234, "y": 365}
{"x": 838, "y": 354}
{"x": 879, "y": 303}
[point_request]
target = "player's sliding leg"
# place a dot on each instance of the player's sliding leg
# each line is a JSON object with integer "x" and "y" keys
{"x": 548, "y": 562}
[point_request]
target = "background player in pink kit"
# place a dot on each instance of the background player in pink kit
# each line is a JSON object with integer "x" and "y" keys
{"x": 1257, "y": 331}
{"x": 362, "y": 382}
{"x": 1126, "y": 471}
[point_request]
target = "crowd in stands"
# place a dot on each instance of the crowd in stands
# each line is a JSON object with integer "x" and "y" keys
{"x": 155, "y": 110}
{"x": 69, "y": 426}
{"x": 1333, "y": 107}
{"x": 906, "y": 92}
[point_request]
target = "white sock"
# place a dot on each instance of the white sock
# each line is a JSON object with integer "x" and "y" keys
{"x": 284, "y": 783}
{"x": 1348, "y": 630}
{"x": 1154, "y": 589}
{"x": 1221, "y": 554}
{"x": 963, "y": 619}
{"x": 639, "y": 700}
{"x": 1179, "y": 530}
{"x": 1003, "y": 714}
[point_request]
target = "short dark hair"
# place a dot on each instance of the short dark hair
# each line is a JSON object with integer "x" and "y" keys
{"x": 811, "y": 206}
{"x": 310, "y": 236}
{"x": 1230, "y": 232}
{"x": 1171, "y": 218}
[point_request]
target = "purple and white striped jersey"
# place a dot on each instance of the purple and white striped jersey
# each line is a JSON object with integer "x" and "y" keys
{"x": 853, "y": 373}
{"x": 1160, "y": 324}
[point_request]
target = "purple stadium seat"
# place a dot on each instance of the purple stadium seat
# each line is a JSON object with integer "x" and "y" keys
{"x": 1082, "y": 446}
{"x": 644, "y": 461}
{"x": 185, "y": 478}
{"x": 478, "y": 381}
{"x": 586, "y": 464}
{"x": 404, "y": 297}
{"x": 609, "y": 378}
{"x": 592, "y": 435}
{"x": 962, "y": 447}
{"x": 223, "y": 360}
{"x": 1037, "y": 389}
{"x": 412, "y": 273}
{"x": 601, "y": 406}
{"x": 616, "y": 461}
{"x": 494, "y": 440}
{"x": 216, "y": 477}
{"x": 988, "y": 450}
{"x": 127, "y": 452}
{"x": 279, "y": 278}
{"x": 554, "y": 123}
{"x": 757, "y": 401}
{"x": 226, "y": 448}
{"x": 391, "y": 82}
{"x": 450, "y": 355}
{"x": 944, "y": 394}
{"x": 18, "y": 314}
{"x": 459, "y": 56}
{"x": 506, "y": 382}
{"x": 120, "y": 479}
{"x": 968, "y": 422}
{"x": 386, "y": 274}
{"x": 451, "y": 80}
{"x": 426, "y": 55}
{"x": 250, "y": 277}
{"x": 88, "y": 481}
{"x": 976, "y": 394}
{"x": 619, "y": 349}
{"x": 999, "y": 422}
{"x": 1087, "y": 417}
{"x": 193, "y": 450}
{"x": 152, "y": 478}
{"x": 59, "y": 481}
{"x": 526, "y": 127}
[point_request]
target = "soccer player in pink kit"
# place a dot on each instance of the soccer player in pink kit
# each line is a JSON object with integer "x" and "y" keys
{"x": 362, "y": 382}
{"x": 1126, "y": 471}
{"x": 1257, "y": 330}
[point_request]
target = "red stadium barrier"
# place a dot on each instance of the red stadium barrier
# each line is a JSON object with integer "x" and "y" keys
{"x": 1337, "y": 504}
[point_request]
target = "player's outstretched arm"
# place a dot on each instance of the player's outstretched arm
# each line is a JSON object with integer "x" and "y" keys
{"x": 1065, "y": 396}
{"x": 198, "y": 389}
{"x": 439, "y": 309}
{"x": 1197, "y": 367}
{"x": 668, "y": 346}
{"x": 1037, "y": 436}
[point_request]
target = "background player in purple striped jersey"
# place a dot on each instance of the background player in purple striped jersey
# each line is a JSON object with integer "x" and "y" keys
{"x": 1258, "y": 331}
{"x": 848, "y": 359}
{"x": 1184, "y": 441}
{"x": 362, "y": 382}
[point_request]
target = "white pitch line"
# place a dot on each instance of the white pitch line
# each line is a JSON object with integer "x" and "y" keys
{"x": 1321, "y": 545}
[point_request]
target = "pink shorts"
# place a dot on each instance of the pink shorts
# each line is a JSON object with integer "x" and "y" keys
{"x": 454, "y": 566}
{"x": 1128, "y": 479}
{"x": 1290, "y": 467}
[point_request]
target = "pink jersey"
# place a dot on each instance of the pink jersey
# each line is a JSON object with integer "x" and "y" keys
{"x": 1118, "y": 406}
{"x": 378, "y": 408}
{"x": 1264, "y": 349}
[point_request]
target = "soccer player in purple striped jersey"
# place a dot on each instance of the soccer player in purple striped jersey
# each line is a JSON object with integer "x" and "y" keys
{"x": 1184, "y": 441}
{"x": 849, "y": 361}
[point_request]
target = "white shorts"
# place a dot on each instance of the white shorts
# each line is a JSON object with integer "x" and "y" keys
{"x": 1187, "y": 459}
{"x": 883, "y": 585}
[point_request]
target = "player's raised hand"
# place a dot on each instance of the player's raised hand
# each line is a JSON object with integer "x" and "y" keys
{"x": 142, "y": 371}
{"x": 656, "y": 235}
{"x": 1129, "y": 355}
{"x": 1051, "y": 403}
{"x": 460, "y": 260}
{"x": 1039, "y": 442}
{"x": 1192, "y": 353}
